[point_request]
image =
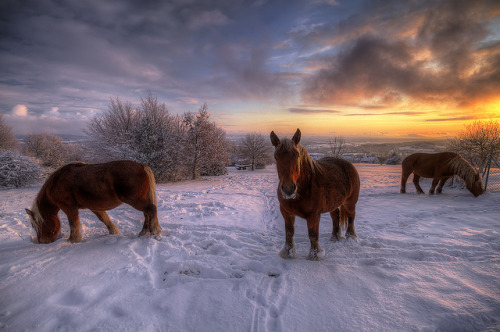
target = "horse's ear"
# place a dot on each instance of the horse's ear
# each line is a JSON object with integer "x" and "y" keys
{"x": 274, "y": 139}
{"x": 296, "y": 137}
{"x": 29, "y": 212}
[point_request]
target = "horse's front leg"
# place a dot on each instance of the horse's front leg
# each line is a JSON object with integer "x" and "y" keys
{"x": 103, "y": 216}
{"x": 313, "y": 230}
{"x": 288, "y": 250}
{"x": 435, "y": 182}
{"x": 439, "y": 188}
{"x": 74, "y": 224}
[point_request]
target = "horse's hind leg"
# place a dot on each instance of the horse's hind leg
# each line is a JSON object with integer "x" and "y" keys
{"x": 151, "y": 224}
{"x": 416, "y": 179}
{"x": 103, "y": 216}
{"x": 336, "y": 231}
{"x": 350, "y": 211}
{"x": 404, "y": 177}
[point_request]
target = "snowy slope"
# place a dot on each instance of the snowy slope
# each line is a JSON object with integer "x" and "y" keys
{"x": 420, "y": 263}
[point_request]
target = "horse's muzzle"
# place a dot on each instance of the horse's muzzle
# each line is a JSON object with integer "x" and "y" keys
{"x": 289, "y": 191}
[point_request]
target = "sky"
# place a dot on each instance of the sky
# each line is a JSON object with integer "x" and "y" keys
{"x": 371, "y": 68}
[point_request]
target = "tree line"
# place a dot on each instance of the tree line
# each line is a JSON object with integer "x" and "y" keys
{"x": 176, "y": 147}
{"x": 179, "y": 147}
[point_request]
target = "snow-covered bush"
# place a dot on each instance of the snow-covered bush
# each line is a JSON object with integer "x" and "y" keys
{"x": 45, "y": 147}
{"x": 7, "y": 139}
{"x": 17, "y": 170}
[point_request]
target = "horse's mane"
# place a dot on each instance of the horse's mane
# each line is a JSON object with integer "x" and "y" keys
{"x": 316, "y": 168}
{"x": 463, "y": 169}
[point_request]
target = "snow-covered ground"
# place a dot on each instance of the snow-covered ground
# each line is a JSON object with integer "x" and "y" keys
{"x": 420, "y": 263}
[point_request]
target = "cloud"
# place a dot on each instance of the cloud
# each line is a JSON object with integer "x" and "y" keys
{"x": 375, "y": 55}
{"x": 312, "y": 111}
{"x": 208, "y": 18}
{"x": 361, "y": 114}
{"x": 458, "y": 118}
{"x": 410, "y": 113}
{"x": 20, "y": 110}
{"x": 405, "y": 113}
{"x": 189, "y": 100}
{"x": 436, "y": 58}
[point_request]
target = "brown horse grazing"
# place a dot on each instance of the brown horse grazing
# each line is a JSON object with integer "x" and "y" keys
{"x": 308, "y": 188}
{"x": 440, "y": 167}
{"x": 97, "y": 187}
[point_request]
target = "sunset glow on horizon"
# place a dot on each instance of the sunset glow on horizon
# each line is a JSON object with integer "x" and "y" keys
{"x": 368, "y": 68}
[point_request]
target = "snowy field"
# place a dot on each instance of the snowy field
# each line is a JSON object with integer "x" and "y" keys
{"x": 420, "y": 263}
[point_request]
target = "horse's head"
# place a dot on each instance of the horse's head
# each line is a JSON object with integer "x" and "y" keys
{"x": 46, "y": 229}
{"x": 476, "y": 186}
{"x": 287, "y": 154}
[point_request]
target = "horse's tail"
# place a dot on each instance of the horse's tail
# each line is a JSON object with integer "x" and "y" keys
{"x": 343, "y": 217}
{"x": 152, "y": 185}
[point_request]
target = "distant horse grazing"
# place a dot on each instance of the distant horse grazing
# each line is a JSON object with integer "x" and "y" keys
{"x": 308, "y": 188}
{"x": 97, "y": 187}
{"x": 440, "y": 167}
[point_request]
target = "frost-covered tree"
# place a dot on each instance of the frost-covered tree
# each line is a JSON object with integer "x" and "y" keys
{"x": 174, "y": 147}
{"x": 206, "y": 148}
{"x": 17, "y": 170}
{"x": 7, "y": 139}
{"x": 111, "y": 135}
{"x": 47, "y": 148}
{"x": 217, "y": 158}
{"x": 157, "y": 139}
{"x": 337, "y": 146}
{"x": 147, "y": 134}
{"x": 74, "y": 152}
{"x": 256, "y": 149}
{"x": 476, "y": 141}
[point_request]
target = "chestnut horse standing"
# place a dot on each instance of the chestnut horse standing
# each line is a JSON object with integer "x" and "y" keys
{"x": 440, "y": 167}
{"x": 308, "y": 188}
{"x": 97, "y": 187}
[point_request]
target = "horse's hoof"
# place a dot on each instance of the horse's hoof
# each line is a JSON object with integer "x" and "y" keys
{"x": 316, "y": 254}
{"x": 75, "y": 240}
{"x": 143, "y": 232}
{"x": 287, "y": 252}
{"x": 114, "y": 231}
{"x": 351, "y": 235}
{"x": 156, "y": 232}
{"x": 336, "y": 237}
